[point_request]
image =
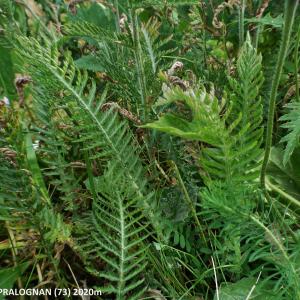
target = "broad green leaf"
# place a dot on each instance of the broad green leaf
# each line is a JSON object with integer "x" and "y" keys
{"x": 286, "y": 176}
{"x": 177, "y": 126}
{"x": 34, "y": 166}
{"x": 241, "y": 289}
{"x": 9, "y": 276}
{"x": 96, "y": 14}
{"x": 268, "y": 20}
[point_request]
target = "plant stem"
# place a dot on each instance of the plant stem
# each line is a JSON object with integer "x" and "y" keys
{"x": 289, "y": 16}
{"x": 189, "y": 201}
{"x": 258, "y": 29}
{"x": 117, "y": 15}
{"x": 292, "y": 201}
{"x": 241, "y": 22}
{"x": 139, "y": 63}
{"x": 296, "y": 64}
{"x": 14, "y": 252}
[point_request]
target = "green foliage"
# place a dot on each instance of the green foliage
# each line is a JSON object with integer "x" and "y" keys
{"x": 95, "y": 130}
{"x": 205, "y": 116}
{"x": 119, "y": 58}
{"x": 236, "y": 135}
{"x": 92, "y": 197}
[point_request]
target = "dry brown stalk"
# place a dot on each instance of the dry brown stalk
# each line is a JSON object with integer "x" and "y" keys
{"x": 122, "y": 111}
{"x": 20, "y": 82}
{"x": 231, "y": 4}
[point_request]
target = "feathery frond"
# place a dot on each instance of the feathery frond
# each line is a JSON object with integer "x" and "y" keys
{"x": 117, "y": 236}
{"x": 292, "y": 124}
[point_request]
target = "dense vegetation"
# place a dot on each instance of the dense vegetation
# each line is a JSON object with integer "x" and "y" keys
{"x": 150, "y": 149}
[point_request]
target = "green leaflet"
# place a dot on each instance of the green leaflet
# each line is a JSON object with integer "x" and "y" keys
{"x": 276, "y": 22}
{"x": 90, "y": 62}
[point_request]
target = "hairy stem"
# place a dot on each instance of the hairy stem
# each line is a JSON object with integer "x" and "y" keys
{"x": 296, "y": 64}
{"x": 289, "y": 16}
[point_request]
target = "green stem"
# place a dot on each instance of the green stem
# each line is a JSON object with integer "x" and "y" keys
{"x": 90, "y": 175}
{"x": 277, "y": 215}
{"x": 14, "y": 253}
{"x": 241, "y": 22}
{"x": 292, "y": 201}
{"x": 189, "y": 202}
{"x": 139, "y": 63}
{"x": 290, "y": 10}
{"x": 117, "y": 15}
{"x": 296, "y": 64}
{"x": 237, "y": 249}
{"x": 256, "y": 31}
{"x": 4, "y": 87}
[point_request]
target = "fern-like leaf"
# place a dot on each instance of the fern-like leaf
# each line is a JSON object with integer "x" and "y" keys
{"x": 117, "y": 237}
{"x": 98, "y": 129}
{"x": 292, "y": 124}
